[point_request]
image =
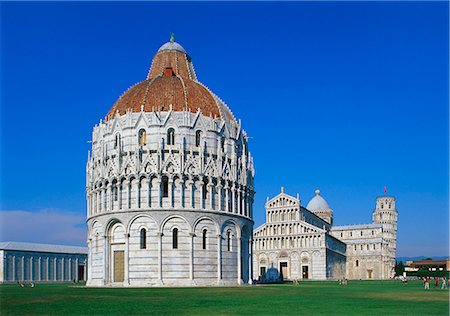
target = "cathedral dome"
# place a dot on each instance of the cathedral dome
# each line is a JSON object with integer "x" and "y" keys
{"x": 317, "y": 203}
{"x": 171, "y": 84}
{"x": 172, "y": 45}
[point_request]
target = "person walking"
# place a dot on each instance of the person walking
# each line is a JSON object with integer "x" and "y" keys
{"x": 444, "y": 283}
{"x": 426, "y": 282}
{"x": 436, "y": 282}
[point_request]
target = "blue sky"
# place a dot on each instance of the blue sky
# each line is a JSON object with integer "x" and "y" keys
{"x": 345, "y": 96}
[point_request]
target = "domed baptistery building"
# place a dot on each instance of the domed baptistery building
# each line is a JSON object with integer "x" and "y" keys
{"x": 169, "y": 184}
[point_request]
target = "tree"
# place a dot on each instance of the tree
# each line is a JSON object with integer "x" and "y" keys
{"x": 399, "y": 268}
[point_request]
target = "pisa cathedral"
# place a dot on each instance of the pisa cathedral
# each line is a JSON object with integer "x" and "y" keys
{"x": 170, "y": 189}
{"x": 302, "y": 243}
{"x": 169, "y": 184}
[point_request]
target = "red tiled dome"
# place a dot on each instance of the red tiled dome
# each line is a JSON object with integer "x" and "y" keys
{"x": 171, "y": 81}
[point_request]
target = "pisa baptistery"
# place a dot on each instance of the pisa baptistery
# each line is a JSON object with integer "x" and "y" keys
{"x": 169, "y": 184}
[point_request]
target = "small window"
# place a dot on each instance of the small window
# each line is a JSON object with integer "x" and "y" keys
{"x": 142, "y": 137}
{"x": 143, "y": 238}
{"x": 115, "y": 192}
{"x": 342, "y": 235}
{"x": 361, "y": 233}
{"x": 355, "y": 247}
{"x": 350, "y": 234}
{"x": 205, "y": 191}
{"x": 357, "y": 263}
{"x": 228, "y": 241}
{"x": 222, "y": 143}
{"x": 170, "y": 136}
{"x": 198, "y": 137}
{"x": 117, "y": 141}
{"x": 204, "y": 239}
{"x": 168, "y": 72}
{"x": 175, "y": 238}
{"x": 165, "y": 187}
{"x": 367, "y": 247}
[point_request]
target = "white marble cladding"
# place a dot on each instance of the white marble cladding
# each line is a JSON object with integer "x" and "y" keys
{"x": 364, "y": 251}
{"x": 296, "y": 242}
{"x": 212, "y": 248}
{"x": 204, "y": 165}
{"x": 163, "y": 172}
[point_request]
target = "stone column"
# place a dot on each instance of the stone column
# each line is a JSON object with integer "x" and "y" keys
{"x": 149, "y": 191}
{"x": 97, "y": 201}
{"x": 105, "y": 259}
{"x": 250, "y": 261}
{"x": 127, "y": 259}
{"x": 23, "y": 268}
{"x": 129, "y": 193}
{"x": 227, "y": 198}
{"x": 233, "y": 198}
{"x": 63, "y": 272}
{"x": 191, "y": 193}
{"x": 102, "y": 201}
{"x": 14, "y": 269}
{"x": 76, "y": 270}
{"x": 219, "y": 258}
{"x": 110, "y": 197}
{"x": 191, "y": 261}
{"x": 182, "y": 192}
{"x": 219, "y": 194}
{"x": 89, "y": 263}
{"x": 170, "y": 195}
{"x": 239, "y": 260}
{"x": 40, "y": 269}
{"x": 48, "y": 268}
{"x": 160, "y": 235}
{"x": 70, "y": 268}
{"x": 55, "y": 268}
{"x": 202, "y": 194}
{"x": 239, "y": 198}
{"x": 31, "y": 268}
{"x": 120, "y": 188}
{"x": 138, "y": 193}
{"x": 211, "y": 194}
{"x": 159, "y": 192}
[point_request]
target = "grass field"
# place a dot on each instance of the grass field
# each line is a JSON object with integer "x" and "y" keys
{"x": 308, "y": 298}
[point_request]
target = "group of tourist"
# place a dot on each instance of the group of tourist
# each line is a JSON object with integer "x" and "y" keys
{"x": 426, "y": 282}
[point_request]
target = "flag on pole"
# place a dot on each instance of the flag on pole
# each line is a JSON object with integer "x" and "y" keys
{"x": 385, "y": 190}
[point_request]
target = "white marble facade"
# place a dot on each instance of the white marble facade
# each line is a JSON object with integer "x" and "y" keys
{"x": 301, "y": 243}
{"x": 170, "y": 194}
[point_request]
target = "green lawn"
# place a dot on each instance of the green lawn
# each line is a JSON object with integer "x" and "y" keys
{"x": 317, "y": 298}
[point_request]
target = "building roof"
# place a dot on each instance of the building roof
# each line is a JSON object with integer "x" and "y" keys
{"x": 26, "y": 246}
{"x": 317, "y": 203}
{"x": 363, "y": 241}
{"x": 358, "y": 226}
{"x": 172, "y": 45}
{"x": 171, "y": 84}
{"x": 420, "y": 263}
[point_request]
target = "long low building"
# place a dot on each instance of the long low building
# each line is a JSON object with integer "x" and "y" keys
{"x": 31, "y": 262}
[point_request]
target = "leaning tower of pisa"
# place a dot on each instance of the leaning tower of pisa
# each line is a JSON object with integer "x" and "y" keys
{"x": 385, "y": 213}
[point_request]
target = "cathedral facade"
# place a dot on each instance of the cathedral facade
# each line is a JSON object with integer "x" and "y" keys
{"x": 169, "y": 184}
{"x": 302, "y": 242}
